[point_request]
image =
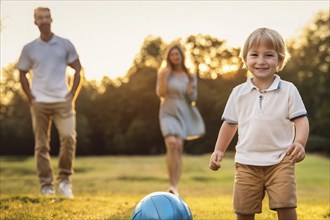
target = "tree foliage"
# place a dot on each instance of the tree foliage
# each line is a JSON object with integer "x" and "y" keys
{"x": 210, "y": 57}
{"x": 309, "y": 71}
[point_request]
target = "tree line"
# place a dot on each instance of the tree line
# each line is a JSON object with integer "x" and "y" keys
{"x": 120, "y": 116}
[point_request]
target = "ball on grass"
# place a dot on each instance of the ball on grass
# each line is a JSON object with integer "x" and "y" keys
{"x": 162, "y": 205}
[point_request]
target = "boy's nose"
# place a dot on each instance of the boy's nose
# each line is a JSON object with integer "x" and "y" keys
{"x": 260, "y": 60}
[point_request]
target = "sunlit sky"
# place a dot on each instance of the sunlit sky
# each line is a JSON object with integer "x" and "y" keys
{"x": 108, "y": 34}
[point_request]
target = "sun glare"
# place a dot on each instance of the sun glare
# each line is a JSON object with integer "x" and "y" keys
{"x": 229, "y": 68}
{"x": 163, "y": 65}
{"x": 70, "y": 71}
{"x": 203, "y": 67}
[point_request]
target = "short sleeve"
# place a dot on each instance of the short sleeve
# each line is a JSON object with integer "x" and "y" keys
{"x": 24, "y": 62}
{"x": 72, "y": 54}
{"x": 230, "y": 113}
{"x": 296, "y": 105}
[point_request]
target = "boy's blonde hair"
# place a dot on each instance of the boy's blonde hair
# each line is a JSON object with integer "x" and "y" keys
{"x": 271, "y": 39}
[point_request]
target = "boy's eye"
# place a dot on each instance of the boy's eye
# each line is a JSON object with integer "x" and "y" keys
{"x": 253, "y": 54}
{"x": 269, "y": 55}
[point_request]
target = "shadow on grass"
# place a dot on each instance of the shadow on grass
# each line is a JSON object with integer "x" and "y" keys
{"x": 204, "y": 179}
{"x": 14, "y": 158}
{"x": 21, "y": 171}
{"x": 141, "y": 178}
{"x": 30, "y": 199}
{"x": 82, "y": 169}
{"x": 127, "y": 214}
{"x": 160, "y": 179}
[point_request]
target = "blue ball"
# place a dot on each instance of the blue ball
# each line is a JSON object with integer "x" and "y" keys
{"x": 161, "y": 205}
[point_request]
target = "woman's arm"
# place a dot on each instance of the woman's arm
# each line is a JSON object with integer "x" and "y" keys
{"x": 192, "y": 87}
{"x": 161, "y": 88}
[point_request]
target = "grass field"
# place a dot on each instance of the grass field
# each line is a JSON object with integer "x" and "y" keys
{"x": 110, "y": 187}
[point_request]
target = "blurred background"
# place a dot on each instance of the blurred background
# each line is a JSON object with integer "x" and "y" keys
{"x": 117, "y": 108}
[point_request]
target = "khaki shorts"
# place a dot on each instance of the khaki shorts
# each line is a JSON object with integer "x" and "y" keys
{"x": 251, "y": 183}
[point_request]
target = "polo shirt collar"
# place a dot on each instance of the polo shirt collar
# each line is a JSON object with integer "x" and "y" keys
{"x": 275, "y": 85}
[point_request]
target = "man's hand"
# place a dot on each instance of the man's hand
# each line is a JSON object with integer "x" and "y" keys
{"x": 70, "y": 95}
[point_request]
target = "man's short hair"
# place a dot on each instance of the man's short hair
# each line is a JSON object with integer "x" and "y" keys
{"x": 40, "y": 9}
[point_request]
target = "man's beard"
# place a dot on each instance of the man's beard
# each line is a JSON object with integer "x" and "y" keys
{"x": 44, "y": 27}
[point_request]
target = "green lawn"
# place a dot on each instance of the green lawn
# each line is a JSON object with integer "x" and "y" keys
{"x": 109, "y": 187}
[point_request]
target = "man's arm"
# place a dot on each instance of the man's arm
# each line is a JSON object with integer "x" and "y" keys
{"x": 76, "y": 79}
{"x": 26, "y": 85}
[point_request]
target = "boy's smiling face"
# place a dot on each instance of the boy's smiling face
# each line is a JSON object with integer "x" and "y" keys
{"x": 262, "y": 62}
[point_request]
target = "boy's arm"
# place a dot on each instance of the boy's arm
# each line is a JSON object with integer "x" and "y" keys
{"x": 225, "y": 136}
{"x": 297, "y": 149}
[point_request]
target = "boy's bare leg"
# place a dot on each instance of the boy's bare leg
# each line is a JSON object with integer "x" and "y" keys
{"x": 245, "y": 217}
{"x": 287, "y": 213}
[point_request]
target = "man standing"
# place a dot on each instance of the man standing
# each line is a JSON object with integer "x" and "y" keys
{"x": 51, "y": 99}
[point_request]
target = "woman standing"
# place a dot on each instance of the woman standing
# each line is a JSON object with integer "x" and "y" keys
{"x": 179, "y": 119}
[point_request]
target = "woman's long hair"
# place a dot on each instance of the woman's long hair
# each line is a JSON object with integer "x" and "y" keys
{"x": 183, "y": 65}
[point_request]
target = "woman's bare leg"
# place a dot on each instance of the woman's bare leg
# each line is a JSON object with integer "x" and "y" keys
{"x": 174, "y": 147}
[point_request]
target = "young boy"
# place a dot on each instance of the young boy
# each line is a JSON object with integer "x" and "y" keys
{"x": 270, "y": 117}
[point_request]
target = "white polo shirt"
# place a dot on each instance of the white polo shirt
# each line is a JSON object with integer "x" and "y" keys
{"x": 265, "y": 127}
{"x": 49, "y": 61}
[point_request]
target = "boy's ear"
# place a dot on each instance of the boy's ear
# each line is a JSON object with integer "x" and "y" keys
{"x": 280, "y": 65}
{"x": 243, "y": 63}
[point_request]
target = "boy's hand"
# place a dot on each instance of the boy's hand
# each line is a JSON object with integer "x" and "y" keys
{"x": 296, "y": 152}
{"x": 215, "y": 160}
